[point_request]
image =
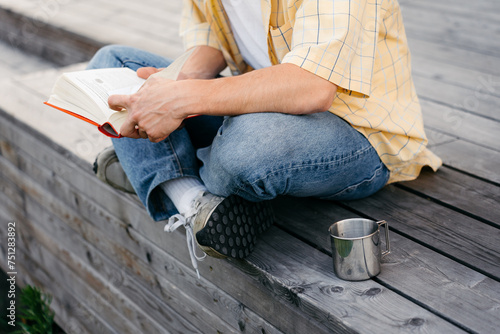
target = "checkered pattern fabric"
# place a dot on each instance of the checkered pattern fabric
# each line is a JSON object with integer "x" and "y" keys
{"x": 359, "y": 45}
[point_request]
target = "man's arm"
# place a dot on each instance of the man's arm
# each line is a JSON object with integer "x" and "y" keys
{"x": 284, "y": 88}
{"x": 204, "y": 62}
{"x": 161, "y": 105}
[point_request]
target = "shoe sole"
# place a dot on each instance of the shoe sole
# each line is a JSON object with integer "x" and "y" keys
{"x": 103, "y": 159}
{"x": 233, "y": 227}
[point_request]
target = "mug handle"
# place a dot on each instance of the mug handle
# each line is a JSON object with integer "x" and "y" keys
{"x": 387, "y": 240}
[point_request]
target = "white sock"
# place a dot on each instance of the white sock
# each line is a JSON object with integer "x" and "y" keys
{"x": 182, "y": 191}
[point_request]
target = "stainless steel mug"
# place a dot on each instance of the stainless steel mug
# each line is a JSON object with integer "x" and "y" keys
{"x": 356, "y": 248}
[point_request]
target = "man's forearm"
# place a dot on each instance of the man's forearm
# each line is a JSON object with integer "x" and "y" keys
{"x": 204, "y": 63}
{"x": 282, "y": 88}
{"x": 161, "y": 105}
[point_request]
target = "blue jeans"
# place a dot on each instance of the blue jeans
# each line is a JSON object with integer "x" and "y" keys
{"x": 256, "y": 156}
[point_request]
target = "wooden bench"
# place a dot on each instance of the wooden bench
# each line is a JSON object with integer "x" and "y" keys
{"x": 112, "y": 269}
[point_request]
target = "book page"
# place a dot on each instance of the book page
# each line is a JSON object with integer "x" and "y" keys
{"x": 101, "y": 83}
{"x": 84, "y": 94}
{"x": 172, "y": 71}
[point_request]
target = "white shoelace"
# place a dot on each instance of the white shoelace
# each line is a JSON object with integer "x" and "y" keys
{"x": 186, "y": 220}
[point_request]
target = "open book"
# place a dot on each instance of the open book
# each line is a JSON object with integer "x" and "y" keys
{"x": 84, "y": 94}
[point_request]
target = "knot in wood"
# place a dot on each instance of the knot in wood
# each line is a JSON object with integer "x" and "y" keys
{"x": 297, "y": 289}
{"x": 89, "y": 257}
{"x": 242, "y": 325}
{"x": 417, "y": 322}
{"x": 331, "y": 289}
{"x": 372, "y": 292}
{"x": 336, "y": 289}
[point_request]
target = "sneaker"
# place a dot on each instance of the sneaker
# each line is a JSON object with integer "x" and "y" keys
{"x": 229, "y": 227}
{"x": 108, "y": 169}
{"x": 222, "y": 227}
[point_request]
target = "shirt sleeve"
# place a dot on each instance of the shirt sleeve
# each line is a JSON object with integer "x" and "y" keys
{"x": 336, "y": 41}
{"x": 194, "y": 28}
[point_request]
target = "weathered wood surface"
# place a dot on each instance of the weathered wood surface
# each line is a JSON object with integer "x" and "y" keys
{"x": 285, "y": 273}
{"x": 111, "y": 269}
{"x": 413, "y": 269}
{"x": 67, "y": 32}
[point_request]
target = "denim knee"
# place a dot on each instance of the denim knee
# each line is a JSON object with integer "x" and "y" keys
{"x": 107, "y": 56}
{"x": 243, "y": 152}
{"x": 261, "y": 156}
{"x": 116, "y": 55}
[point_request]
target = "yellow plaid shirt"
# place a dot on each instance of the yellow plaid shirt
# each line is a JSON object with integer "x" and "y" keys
{"x": 360, "y": 46}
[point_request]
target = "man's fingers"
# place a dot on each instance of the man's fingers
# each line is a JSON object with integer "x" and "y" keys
{"x": 129, "y": 129}
{"x": 118, "y": 102}
{"x": 143, "y": 134}
{"x": 145, "y": 72}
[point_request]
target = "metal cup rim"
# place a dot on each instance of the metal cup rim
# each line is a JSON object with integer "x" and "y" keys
{"x": 357, "y": 238}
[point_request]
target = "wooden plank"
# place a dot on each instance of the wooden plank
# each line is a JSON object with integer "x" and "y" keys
{"x": 476, "y": 9}
{"x": 462, "y": 32}
{"x": 478, "y": 83}
{"x": 14, "y": 62}
{"x": 233, "y": 311}
{"x": 97, "y": 296}
{"x": 122, "y": 294}
{"x": 467, "y": 194}
{"x": 470, "y": 158}
{"x": 459, "y": 57}
{"x": 478, "y": 101}
{"x": 458, "y": 236}
{"x": 131, "y": 231}
{"x": 59, "y": 46}
{"x": 436, "y": 138}
{"x": 69, "y": 33}
{"x": 313, "y": 301}
{"x": 70, "y": 314}
{"x": 133, "y": 277}
{"x": 466, "y": 10}
{"x": 72, "y": 239}
{"x": 454, "y": 291}
{"x": 117, "y": 230}
{"x": 20, "y": 101}
{"x": 339, "y": 292}
{"x": 84, "y": 230}
{"x": 469, "y": 127}
{"x": 11, "y": 191}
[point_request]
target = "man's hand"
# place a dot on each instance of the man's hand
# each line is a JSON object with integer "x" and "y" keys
{"x": 146, "y": 72}
{"x": 161, "y": 105}
{"x": 157, "y": 109}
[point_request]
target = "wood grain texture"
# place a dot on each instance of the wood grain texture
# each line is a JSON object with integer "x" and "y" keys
{"x": 35, "y": 36}
{"x": 134, "y": 275}
{"x": 437, "y": 282}
{"x": 462, "y": 192}
{"x": 459, "y": 236}
{"x": 479, "y": 98}
{"x": 72, "y": 238}
{"x": 312, "y": 301}
{"x": 467, "y": 59}
{"x": 465, "y": 32}
{"x": 101, "y": 256}
{"x": 72, "y": 314}
{"x": 255, "y": 294}
{"x": 470, "y": 158}
{"x": 486, "y": 9}
{"x": 458, "y": 123}
{"x": 108, "y": 290}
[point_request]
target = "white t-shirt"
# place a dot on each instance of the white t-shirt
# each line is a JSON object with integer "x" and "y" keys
{"x": 245, "y": 17}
